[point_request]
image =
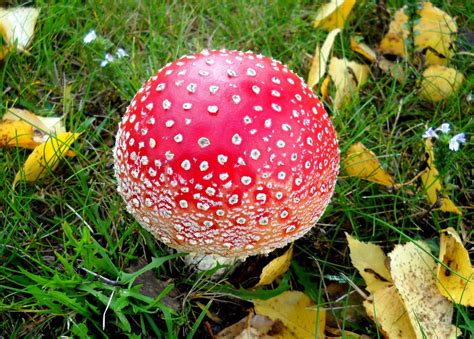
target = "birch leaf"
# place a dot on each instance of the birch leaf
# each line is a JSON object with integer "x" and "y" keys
{"x": 363, "y": 163}
{"x": 440, "y": 82}
{"x": 364, "y": 50}
{"x": 320, "y": 59}
{"x": 434, "y": 33}
{"x": 45, "y": 157}
{"x": 370, "y": 261}
{"x": 432, "y": 184}
{"x": 412, "y": 269}
{"x": 296, "y": 312}
{"x": 387, "y": 309}
{"x": 17, "y": 26}
{"x": 456, "y": 284}
{"x": 333, "y": 14}
{"x": 393, "y": 42}
{"x": 276, "y": 268}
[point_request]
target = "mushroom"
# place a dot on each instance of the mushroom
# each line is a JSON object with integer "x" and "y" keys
{"x": 226, "y": 153}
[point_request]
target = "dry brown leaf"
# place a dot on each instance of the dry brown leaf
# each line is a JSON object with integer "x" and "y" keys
{"x": 347, "y": 77}
{"x": 440, "y": 82}
{"x": 363, "y": 49}
{"x": 296, "y": 312}
{"x": 370, "y": 261}
{"x": 393, "y": 42}
{"x": 256, "y": 326}
{"x": 434, "y": 34}
{"x": 432, "y": 183}
{"x": 275, "y": 268}
{"x": 45, "y": 157}
{"x": 413, "y": 273}
{"x": 333, "y": 14}
{"x": 387, "y": 309}
{"x": 362, "y": 163}
{"x": 17, "y": 26}
{"x": 320, "y": 59}
{"x": 456, "y": 284}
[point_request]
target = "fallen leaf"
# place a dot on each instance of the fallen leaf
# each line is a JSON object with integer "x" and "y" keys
{"x": 363, "y": 49}
{"x": 370, "y": 261}
{"x": 393, "y": 42}
{"x": 32, "y": 128}
{"x": 276, "y": 268}
{"x": 456, "y": 284}
{"x": 333, "y": 14}
{"x": 325, "y": 88}
{"x": 395, "y": 69}
{"x": 387, "y": 309}
{"x": 296, "y": 312}
{"x": 16, "y": 133}
{"x": 440, "y": 82}
{"x": 432, "y": 183}
{"x": 256, "y": 325}
{"x": 45, "y": 157}
{"x": 17, "y": 27}
{"x": 347, "y": 77}
{"x": 412, "y": 268}
{"x": 362, "y": 163}
{"x": 434, "y": 33}
{"x": 337, "y": 333}
{"x": 320, "y": 59}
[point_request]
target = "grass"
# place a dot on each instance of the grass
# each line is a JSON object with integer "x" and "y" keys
{"x": 68, "y": 247}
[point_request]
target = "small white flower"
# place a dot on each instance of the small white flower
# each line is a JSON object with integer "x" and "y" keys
{"x": 444, "y": 128}
{"x": 121, "y": 53}
{"x": 89, "y": 37}
{"x": 430, "y": 133}
{"x": 455, "y": 141}
{"x": 107, "y": 59}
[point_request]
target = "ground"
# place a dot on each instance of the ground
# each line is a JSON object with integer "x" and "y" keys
{"x": 65, "y": 239}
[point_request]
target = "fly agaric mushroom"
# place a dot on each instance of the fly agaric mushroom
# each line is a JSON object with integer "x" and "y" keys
{"x": 226, "y": 153}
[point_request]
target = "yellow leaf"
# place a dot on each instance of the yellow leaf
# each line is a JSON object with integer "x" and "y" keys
{"x": 413, "y": 273}
{"x": 362, "y": 163}
{"x": 337, "y": 333}
{"x": 45, "y": 157}
{"x": 434, "y": 33}
{"x": 393, "y": 42}
{"x": 395, "y": 69}
{"x": 13, "y": 133}
{"x": 387, "y": 309}
{"x": 276, "y": 268}
{"x": 432, "y": 184}
{"x": 32, "y": 128}
{"x": 363, "y": 49}
{"x": 361, "y": 72}
{"x": 17, "y": 27}
{"x": 296, "y": 312}
{"x": 320, "y": 59}
{"x": 439, "y": 82}
{"x": 347, "y": 76}
{"x": 252, "y": 326}
{"x": 370, "y": 261}
{"x": 333, "y": 14}
{"x": 325, "y": 88}
{"x": 456, "y": 284}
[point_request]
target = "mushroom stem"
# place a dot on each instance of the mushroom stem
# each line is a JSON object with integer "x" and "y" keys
{"x": 206, "y": 262}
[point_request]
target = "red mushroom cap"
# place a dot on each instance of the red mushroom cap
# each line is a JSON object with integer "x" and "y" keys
{"x": 227, "y": 153}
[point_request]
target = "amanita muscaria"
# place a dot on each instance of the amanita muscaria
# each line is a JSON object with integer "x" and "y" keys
{"x": 226, "y": 153}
